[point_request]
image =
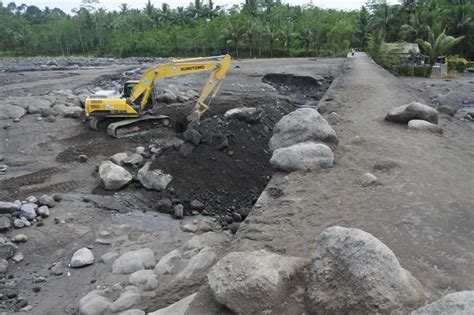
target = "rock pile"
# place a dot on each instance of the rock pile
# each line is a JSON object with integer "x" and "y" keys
{"x": 419, "y": 117}
{"x": 296, "y": 142}
{"x": 32, "y": 210}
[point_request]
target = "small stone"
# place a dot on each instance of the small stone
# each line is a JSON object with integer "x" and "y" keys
{"x": 25, "y": 221}
{"x": 133, "y": 261}
{"x": 7, "y": 250}
{"x": 134, "y": 159}
{"x": 168, "y": 263}
{"x": 164, "y": 205}
{"x": 82, "y": 257}
{"x": 20, "y": 238}
{"x": 28, "y": 211}
{"x": 31, "y": 199}
{"x": 192, "y": 136}
{"x": 108, "y": 257}
{"x": 368, "y": 179}
{"x": 237, "y": 217}
{"x": 197, "y": 205}
{"x": 140, "y": 150}
{"x": 36, "y": 289}
{"x": 186, "y": 149}
{"x": 3, "y": 265}
{"x": 5, "y": 223}
{"x": 82, "y": 158}
{"x": 178, "y": 211}
{"x": 46, "y": 200}
{"x": 18, "y": 257}
{"x": 57, "y": 269}
{"x": 57, "y": 198}
{"x": 127, "y": 300}
{"x": 104, "y": 233}
{"x": 234, "y": 227}
{"x": 43, "y": 211}
{"x": 118, "y": 158}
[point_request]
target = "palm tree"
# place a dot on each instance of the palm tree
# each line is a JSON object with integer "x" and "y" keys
{"x": 251, "y": 31}
{"x": 307, "y": 37}
{"x": 382, "y": 17}
{"x": 415, "y": 28}
{"x": 234, "y": 34}
{"x": 440, "y": 46}
{"x": 287, "y": 34}
{"x": 273, "y": 36}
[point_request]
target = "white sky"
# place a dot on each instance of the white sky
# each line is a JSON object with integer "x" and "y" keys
{"x": 67, "y": 6}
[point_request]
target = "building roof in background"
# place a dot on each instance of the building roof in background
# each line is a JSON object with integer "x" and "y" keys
{"x": 403, "y": 48}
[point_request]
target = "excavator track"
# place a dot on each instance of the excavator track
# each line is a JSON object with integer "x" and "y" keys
{"x": 121, "y": 128}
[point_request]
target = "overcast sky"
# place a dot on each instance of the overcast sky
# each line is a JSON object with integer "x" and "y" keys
{"x": 67, "y": 6}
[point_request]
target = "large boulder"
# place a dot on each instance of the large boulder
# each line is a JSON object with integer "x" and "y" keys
{"x": 423, "y": 125}
{"x": 405, "y": 113}
{"x": 133, "y": 261}
{"x": 11, "y": 112}
{"x": 302, "y": 156}
{"x": 304, "y": 124}
{"x": 155, "y": 179}
{"x": 28, "y": 211}
{"x": 457, "y": 303}
{"x": 113, "y": 176}
{"x": 253, "y": 282}
{"x": 354, "y": 272}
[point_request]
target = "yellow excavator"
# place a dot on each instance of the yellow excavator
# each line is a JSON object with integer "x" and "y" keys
{"x": 129, "y": 112}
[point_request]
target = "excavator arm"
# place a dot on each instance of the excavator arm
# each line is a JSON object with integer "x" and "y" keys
{"x": 218, "y": 66}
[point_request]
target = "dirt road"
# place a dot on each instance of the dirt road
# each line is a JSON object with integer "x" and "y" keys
{"x": 423, "y": 210}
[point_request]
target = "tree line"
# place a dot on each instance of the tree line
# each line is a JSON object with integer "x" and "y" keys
{"x": 256, "y": 28}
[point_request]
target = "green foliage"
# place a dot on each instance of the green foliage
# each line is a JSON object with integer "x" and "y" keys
{"x": 256, "y": 28}
{"x": 439, "y": 46}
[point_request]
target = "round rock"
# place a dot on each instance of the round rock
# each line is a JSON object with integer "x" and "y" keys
{"x": 82, "y": 257}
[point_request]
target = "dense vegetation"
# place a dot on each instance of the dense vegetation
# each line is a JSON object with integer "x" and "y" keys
{"x": 256, "y": 28}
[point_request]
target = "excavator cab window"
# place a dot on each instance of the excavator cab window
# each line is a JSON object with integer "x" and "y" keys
{"x": 128, "y": 87}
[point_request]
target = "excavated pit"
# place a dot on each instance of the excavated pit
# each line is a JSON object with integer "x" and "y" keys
{"x": 229, "y": 169}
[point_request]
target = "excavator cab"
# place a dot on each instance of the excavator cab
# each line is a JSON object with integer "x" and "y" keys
{"x": 128, "y": 87}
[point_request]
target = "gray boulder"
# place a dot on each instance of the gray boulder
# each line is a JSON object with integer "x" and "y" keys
{"x": 94, "y": 303}
{"x": 7, "y": 250}
{"x": 3, "y": 265}
{"x": 28, "y": 211}
{"x": 423, "y": 125}
{"x": 11, "y": 112}
{"x": 465, "y": 113}
{"x": 253, "y": 282}
{"x": 67, "y": 111}
{"x": 5, "y": 223}
{"x": 118, "y": 158}
{"x": 81, "y": 258}
{"x": 133, "y": 159}
{"x": 457, "y": 303}
{"x": 164, "y": 205}
{"x": 304, "y": 124}
{"x": 154, "y": 179}
{"x": 133, "y": 261}
{"x": 127, "y": 300}
{"x": 179, "y": 308}
{"x": 47, "y": 200}
{"x": 302, "y": 156}
{"x": 354, "y": 272}
{"x": 198, "y": 264}
{"x": 38, "y": 106}
{"x": 168, "y": 263}
{"x": 405, "y": 113}
{"x": 145, "y": 279}
{"x": 192, "y": 136}
{"x": 113, "y": 176}
{"x": 247, "y": 114}
{"x": 43, "y": 211}
{"x": 168, "y": 97}
{"x": 9, "y": 207}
